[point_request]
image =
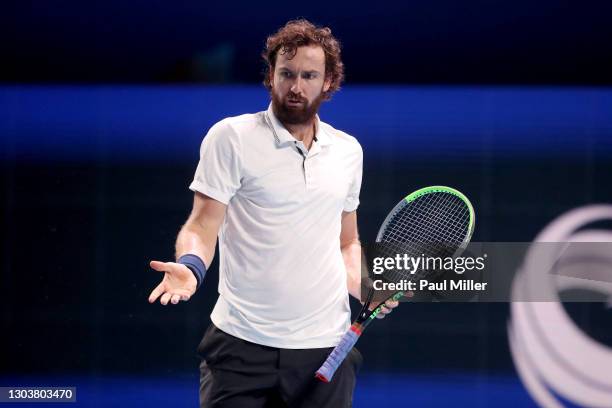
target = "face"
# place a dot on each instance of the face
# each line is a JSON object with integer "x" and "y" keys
{"x": 298, "y": 85}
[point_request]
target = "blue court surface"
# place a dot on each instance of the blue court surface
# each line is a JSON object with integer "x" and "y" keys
{"x": 401, "y": 390}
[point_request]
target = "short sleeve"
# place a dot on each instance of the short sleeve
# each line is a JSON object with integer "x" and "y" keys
{"x": 352, "y": 198}
{"x": 218, "y": 172}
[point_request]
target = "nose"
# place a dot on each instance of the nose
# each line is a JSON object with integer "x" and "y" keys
{"x": 296, "y": 88}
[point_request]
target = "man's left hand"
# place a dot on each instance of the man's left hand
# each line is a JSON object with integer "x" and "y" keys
{"x": 387, "y": 308}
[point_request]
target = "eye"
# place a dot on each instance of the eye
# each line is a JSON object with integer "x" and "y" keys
{"x": 285, "y": 74}
{"x": 310, "y": 75}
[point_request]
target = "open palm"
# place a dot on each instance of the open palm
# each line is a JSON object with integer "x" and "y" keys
{"x": 178, "y": 283}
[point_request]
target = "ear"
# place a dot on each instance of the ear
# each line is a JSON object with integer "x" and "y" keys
{"x": 271, "y": 76}
{"x": 327, "y": 84}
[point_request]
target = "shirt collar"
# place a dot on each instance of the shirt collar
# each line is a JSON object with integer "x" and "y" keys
{"x": 282, "y": 135}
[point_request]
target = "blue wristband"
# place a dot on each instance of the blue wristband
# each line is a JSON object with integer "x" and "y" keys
{"x": 196, "y": 265}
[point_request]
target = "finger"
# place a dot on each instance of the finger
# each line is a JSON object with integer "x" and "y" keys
{"x": 175, "y": 299}
{"x": 391, "y": 304}
{"x": 165, "y": 298}
{"x": 158, "y": 266}
{"x": 375, "y": 306}
{"x": 181, "y": 293}
{"x": 185, "y": 298}
{"x": 385, "y": 310}
{"x": 156, "y": 292}
{"x": 409, "y": 294}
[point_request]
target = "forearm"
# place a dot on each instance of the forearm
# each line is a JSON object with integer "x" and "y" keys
{"x": 351, "y": 254}
{"x": 196, "y": 239}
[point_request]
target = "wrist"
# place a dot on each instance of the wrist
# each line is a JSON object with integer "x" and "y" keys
{"x": 195, "y": 265}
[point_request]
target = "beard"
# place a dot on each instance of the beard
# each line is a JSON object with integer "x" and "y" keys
{"x": 295, "y": 115}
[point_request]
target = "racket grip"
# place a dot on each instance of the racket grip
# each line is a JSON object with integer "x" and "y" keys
{"x": 338, "y": 354}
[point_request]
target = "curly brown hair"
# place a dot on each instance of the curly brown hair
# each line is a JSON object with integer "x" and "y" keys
{"x": 299, "y": 33}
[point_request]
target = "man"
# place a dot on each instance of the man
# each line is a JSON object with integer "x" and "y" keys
{"x": 280, "y": 188}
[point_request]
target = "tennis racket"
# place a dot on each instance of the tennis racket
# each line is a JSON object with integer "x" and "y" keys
{"x": 434, "y": 221}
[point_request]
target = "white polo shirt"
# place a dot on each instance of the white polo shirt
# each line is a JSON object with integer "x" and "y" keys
{"x": 282, "y": 279}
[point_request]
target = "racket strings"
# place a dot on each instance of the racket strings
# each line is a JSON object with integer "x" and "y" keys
{"x": 433, "y": 225}
{"x": 437, "y": 217}
{"x": 440, "y": 218}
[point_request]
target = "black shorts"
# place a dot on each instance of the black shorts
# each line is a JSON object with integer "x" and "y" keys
{"x": 236, "y": 373}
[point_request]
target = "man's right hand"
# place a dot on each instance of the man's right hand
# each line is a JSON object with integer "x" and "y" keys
{"x": 178, "y": 283}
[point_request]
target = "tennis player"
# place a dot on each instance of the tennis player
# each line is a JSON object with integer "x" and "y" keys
{"x": 280, "y": 189}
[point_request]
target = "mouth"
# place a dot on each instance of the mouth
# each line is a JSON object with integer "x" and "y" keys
{"x": 295, "y": 102}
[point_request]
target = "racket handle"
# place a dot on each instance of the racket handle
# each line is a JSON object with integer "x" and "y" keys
{"x": 338, "y": 354}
